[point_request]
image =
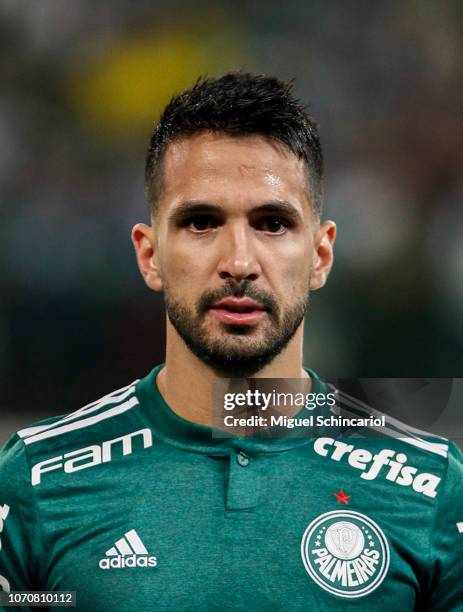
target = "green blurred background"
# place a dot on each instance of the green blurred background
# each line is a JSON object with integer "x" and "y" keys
{"x": 82, "y": 83}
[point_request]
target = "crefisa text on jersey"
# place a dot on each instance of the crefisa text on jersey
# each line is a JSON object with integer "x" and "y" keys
{"x": 90, "y": 456}
{"x": 394, "y": 464}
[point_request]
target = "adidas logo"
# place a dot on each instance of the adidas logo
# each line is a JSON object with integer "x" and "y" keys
{"x": 129, "y": 551}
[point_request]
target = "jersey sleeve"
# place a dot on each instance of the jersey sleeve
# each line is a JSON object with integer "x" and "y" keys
{"x": 19, "y": 527}
{"x": 447, "y": 540}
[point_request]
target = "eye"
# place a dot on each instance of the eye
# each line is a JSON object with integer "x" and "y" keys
{"x": 201, "y": 223}
{"x": 272, "y": 225}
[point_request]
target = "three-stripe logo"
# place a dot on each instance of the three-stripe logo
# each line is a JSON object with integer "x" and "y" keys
{"x": 129, "y": 551}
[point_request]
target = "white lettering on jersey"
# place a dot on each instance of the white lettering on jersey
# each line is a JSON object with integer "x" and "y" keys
{"x": 371, "y": 465}
{"x": 460, "y": 527}
{"x": 129, "y": 551}
{"x": 4, "y": 584}
{"x": 90, "y": 456}
{"x": 4, "y": 511}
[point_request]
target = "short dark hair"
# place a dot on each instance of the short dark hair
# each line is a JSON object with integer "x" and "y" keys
{"x": 237, "y": 104}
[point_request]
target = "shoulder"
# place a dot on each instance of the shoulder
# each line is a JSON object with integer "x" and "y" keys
{"x": 386, "y": 450}
{"x": 102, "y": 419}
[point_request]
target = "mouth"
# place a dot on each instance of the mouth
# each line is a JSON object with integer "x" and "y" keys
{"x": 238, "y": 311}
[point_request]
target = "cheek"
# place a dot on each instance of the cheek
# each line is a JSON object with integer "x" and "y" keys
{"x": 293, "y": 268}
{"x": 298, "y": 284}
{"x": 183, "y": 270}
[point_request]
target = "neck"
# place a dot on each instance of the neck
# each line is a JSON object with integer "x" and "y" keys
{"x": 186, "y": 382}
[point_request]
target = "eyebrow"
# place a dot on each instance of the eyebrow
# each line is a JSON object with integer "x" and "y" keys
{"x": 190, "y": 208}
{"x": 278, "y": 207}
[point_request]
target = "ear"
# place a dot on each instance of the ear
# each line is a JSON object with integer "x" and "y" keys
{"x": 144, "y": 241}
{"x": 323, "y": 254}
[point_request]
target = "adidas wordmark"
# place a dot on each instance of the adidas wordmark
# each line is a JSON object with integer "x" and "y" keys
{"x": 129, "y": 551}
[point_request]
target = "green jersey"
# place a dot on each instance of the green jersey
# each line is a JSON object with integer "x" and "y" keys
{"x": 135, "y": 508}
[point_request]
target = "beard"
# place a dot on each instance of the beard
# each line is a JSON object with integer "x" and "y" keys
{"x": 235, "y": 353}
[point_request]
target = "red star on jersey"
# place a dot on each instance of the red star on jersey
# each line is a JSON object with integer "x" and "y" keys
{"x": 341, "y": 497}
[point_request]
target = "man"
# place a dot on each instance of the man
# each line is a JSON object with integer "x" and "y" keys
{"x": 136, "y": 503}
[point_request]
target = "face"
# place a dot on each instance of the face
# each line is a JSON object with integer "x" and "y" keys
{"x": 235, "y": 247}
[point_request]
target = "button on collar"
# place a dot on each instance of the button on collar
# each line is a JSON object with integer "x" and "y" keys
{"x": 242, "y": 459}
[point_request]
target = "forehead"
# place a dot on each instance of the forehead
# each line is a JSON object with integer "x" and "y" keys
{"x": 217, "y": 165}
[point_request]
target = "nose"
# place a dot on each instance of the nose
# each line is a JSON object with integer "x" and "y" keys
{"x": 238, "y": 258}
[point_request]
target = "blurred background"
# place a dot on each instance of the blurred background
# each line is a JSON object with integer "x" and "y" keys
{"x": 82, "y": 84}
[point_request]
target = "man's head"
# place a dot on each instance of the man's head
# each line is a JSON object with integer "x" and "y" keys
{"x": 238, "y": 104}
{"x": 236, "y": 242}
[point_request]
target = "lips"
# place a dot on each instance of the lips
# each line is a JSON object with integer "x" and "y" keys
{"x": 238, "y": 311}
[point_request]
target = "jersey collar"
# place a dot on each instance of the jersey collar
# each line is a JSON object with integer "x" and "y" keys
{"x": 180, "y": 432}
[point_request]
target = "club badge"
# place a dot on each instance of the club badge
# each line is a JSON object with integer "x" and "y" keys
{"x": 345, "y": 553}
